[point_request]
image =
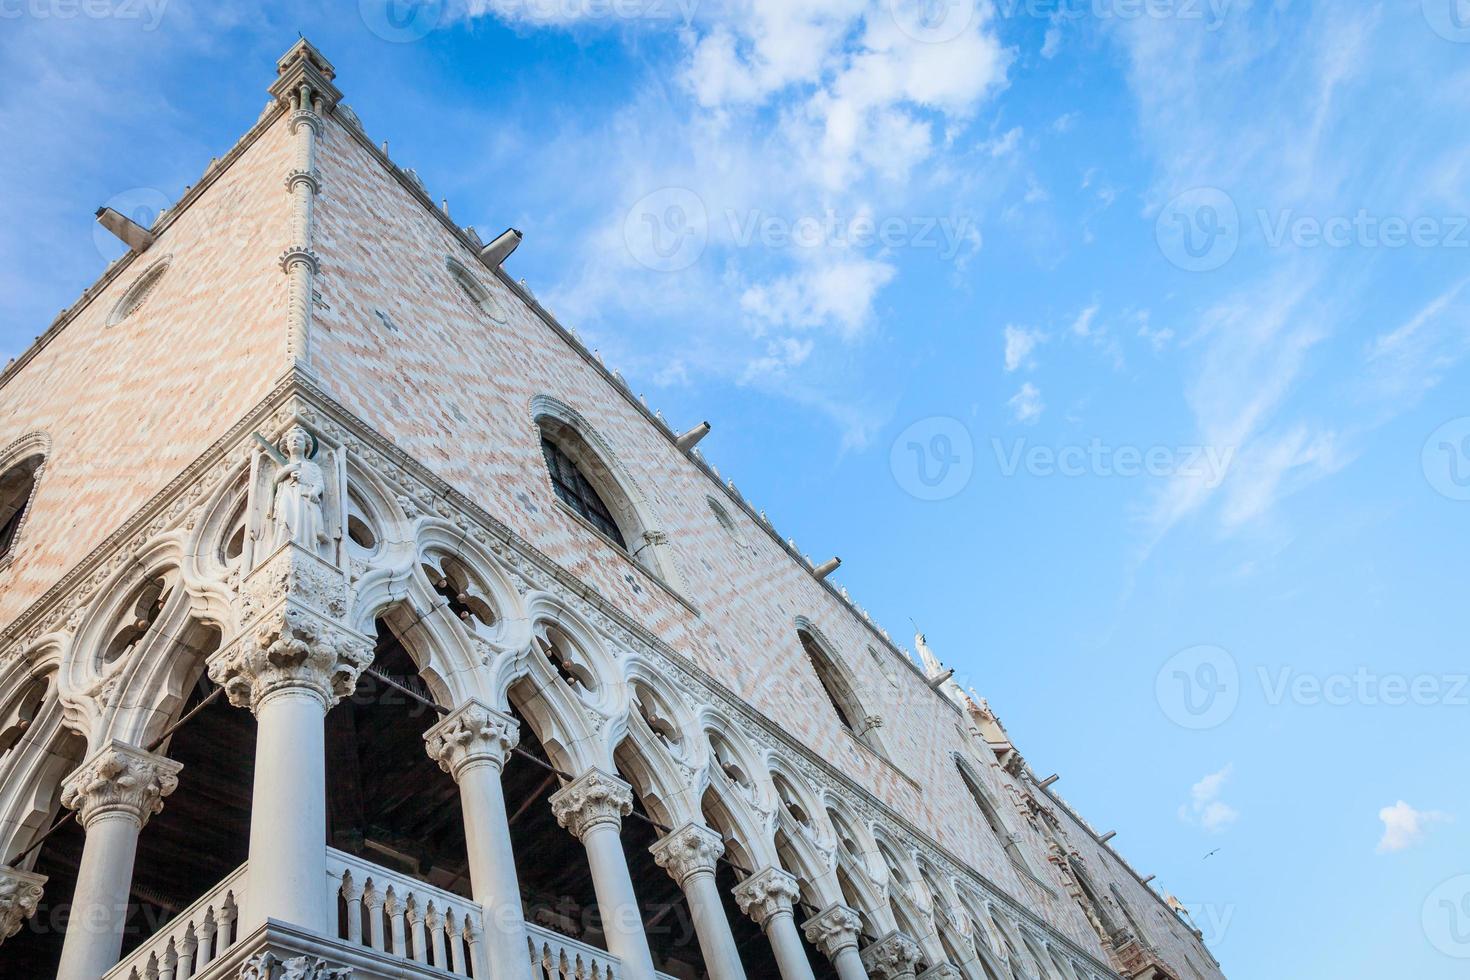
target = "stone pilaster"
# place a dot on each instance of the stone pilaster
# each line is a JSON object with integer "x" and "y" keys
{"x": 766, "y": 893}
{"x": 472, "y": 735}
{"x": 20, "y": 894}
{"x": 120, "y": 779}
{"x": 689, "y": 850}
{"x": 891, "y": 958}
{"x": 833, "y": 929}
{"x": 594, "y": 799}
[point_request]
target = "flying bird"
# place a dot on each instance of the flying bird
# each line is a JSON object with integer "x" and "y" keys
{"x": 1211, "y": 854}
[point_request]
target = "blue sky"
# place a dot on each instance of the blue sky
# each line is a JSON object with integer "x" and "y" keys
{"x": 1120, "y": 345}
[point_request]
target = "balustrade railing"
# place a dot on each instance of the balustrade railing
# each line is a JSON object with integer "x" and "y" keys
{"x": 558, "y": 957}
{"x": 191, "y": 940}
{"x": 404, "y": 917}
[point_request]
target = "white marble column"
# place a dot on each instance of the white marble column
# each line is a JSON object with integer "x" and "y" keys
{"x": 835, "y": 931}
{"x": 689, "y": 855}
{"x": 769, "y": 897}
{"x": 20, "y": 894}
{"x": 290, "y": 671}
{"x": 114, "y": 792}
{"x": 472, "y": 745}
{"x": 592, "y": 808}
{"x": 892, "y": 958}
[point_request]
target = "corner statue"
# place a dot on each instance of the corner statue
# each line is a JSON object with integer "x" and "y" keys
{"x": 299, "y": 483}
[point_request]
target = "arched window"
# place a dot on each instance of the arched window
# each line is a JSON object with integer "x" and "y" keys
{"x": 138, "y": 292}
{"x": 993, "y": 819}
{"x": 16, "y": 486}
{"x": 577, "y": 492}
{"x": 841, "y": 692}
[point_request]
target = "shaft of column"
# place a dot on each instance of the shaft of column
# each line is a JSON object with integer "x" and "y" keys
{"x": 115, "y": 792}
{"x": 768, "y": 897}
{"x": 592, "y": 807}
{"x": 288, "y": 814}
{"x": 689, "y": 854}
{"x": 849, "y": 964}
{"x": 472, "y": 744}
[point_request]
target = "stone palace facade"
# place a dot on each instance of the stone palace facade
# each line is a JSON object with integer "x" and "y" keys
{"x": 359, "y": 623}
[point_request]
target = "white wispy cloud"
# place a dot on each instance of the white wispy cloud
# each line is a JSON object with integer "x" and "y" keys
{"x": 1020, "y": 343}
{"x": 1205, "y": 809}
{"x": 1404, "y": 826}
{"x": 1026, "y": 405}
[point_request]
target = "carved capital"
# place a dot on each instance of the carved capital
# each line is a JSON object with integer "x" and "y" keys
{"x": 833, "y": 929}
{"x": 689, "y": 850}
{"x": 473, "y": 734}
{"x": 120, "y": 779}
{"x": 291, "y": 649}
{"x": 269, "y": 966}
{"x": 944, "y": 971}
{"x": 767, "y": 893}
{"x": 20, "y": 893}
{"x": 594, "y": 799}
{"x": 891, "y": 957}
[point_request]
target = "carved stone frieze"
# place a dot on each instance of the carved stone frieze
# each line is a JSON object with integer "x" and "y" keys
{"x": 20, "y": 893}
{"x": 292, "y": 573}
{"x": 291, "y": 648}
{"x": 474, "y": 734}
{"x": 269, "y": 966}
{"x": 689, "y": 850}
{"x": 766, "y": 893}
{"x": 594, "y": 799}
{"x": 833, "y": 929}
{"x": 120, "y": 779}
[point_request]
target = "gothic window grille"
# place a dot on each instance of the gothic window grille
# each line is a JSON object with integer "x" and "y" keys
{"x": 15, "y": 496}
{"x": 577, "y": 493}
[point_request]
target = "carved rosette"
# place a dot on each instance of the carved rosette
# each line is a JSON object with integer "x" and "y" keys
{"x": 20, "y": 893}
{"x": 472, "y": 735}
{"x": 594, "y": 799}
{"x": 120, "y": 779}
{"x": 833, "y": 929}
{"x": 690, "y": 850}
{"x": 767, "y": 893}
{"x": 291, "y": 650}
{"x": 891, "y": 957}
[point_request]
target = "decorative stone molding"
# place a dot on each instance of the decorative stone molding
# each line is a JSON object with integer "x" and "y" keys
{"x": 689, "y": 850}
{"x": 269, "y": 966}
{"x": 300, "y": 255}
{"x": 20, "y": 893}
{"x": 833, "y": 929}
{"x": 766, "y": 893}
{"x": 473, "y": 734}
{"x": 891, "y": 957}
{"x": 944, "y": 971}
{"x": 594, "y": 799}
{"x": 291, "y": 649}
{"x": 120, "y": 779}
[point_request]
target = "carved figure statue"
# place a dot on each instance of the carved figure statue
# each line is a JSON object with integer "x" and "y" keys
{"x": 296, "y": 512}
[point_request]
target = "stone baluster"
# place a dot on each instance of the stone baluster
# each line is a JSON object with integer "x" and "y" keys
{"x": 893, "y": 957}
{"x": 290, "y": 669}
{"x": 592, "y": 808}
{"x": 114, "y": 792}
{"x": 689, "y": 855}
{"x": 20, "y": 894}
{"x": 472, "y": 744}
{"x": 769, "y": 897}
{"x": 835, "y": 931}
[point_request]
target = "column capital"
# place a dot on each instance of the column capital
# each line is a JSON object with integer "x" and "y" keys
{"x": 291, "y": 649}
{"x": 891, "y": 957}
{"x": 833, "y": 929}
{"x": 768, "y": 892}
{"x": 20, "y": 893}
{"x": 471, "y": 735}
{"x": 944, "y": 971}
{"x": 594, "y": 799}
{"x": 687, "y": 851}
{"x": 122, "y": 779}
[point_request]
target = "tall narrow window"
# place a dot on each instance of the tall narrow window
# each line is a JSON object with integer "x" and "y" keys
{"x": 574, "y": 489}
{"x": 16, "y": 485}
{"x": 841, "y": 691}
